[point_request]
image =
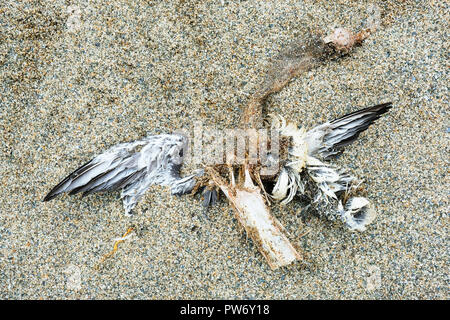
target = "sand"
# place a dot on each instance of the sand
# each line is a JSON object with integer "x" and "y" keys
{"x": 77, "y": 77}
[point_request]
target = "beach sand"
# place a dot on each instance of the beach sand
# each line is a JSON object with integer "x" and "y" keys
{"x": 77, "y": 77}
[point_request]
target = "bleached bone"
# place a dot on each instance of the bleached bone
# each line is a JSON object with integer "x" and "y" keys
{"x": 264, "y": 229}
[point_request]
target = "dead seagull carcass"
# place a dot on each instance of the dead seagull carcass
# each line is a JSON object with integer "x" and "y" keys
{"x": 303, "y": 154}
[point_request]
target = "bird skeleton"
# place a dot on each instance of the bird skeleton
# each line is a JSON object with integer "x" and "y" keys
{"x": 156, "y": 160}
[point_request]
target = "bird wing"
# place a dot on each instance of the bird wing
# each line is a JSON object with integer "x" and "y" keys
{"x": 328, "y": 139}
{"x": 131, "y": 167}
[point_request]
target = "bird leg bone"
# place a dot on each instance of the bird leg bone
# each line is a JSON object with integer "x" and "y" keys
{"x": 299, "y": 56}
{"x": 253, "y": 214}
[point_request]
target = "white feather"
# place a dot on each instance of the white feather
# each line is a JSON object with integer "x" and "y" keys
{"x": 357, "y": 214}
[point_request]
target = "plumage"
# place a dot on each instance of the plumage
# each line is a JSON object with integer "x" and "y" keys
{"x": 209, "y": 198}
{"x": 132, "y": 168}
{"x": 185, "y": 185}
{"x": 287, "y": 185}
{"x": 357, "y": 213}
{"x": 329, "y": 138}
{"x": 308, "y": 151}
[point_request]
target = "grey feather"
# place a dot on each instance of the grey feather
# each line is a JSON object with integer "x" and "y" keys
{"x": 186, "y": 184}
{"x": 210, "y": 198}
{"x": 131, "y": 167}
{"x": 329, "y": 138}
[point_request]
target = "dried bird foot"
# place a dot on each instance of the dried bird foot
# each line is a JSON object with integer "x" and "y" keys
{"x": 253, "y": 214}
